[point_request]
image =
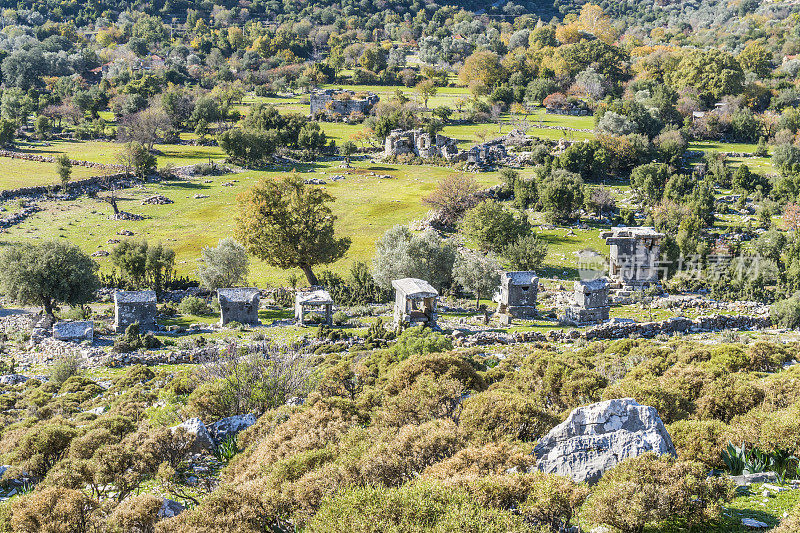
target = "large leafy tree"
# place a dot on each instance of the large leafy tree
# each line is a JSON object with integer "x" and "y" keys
{"x": 399, "y": 253}
{"x": 482, "y": 66}
{"x": 48, "y": 273}
{"x": 289, "y": 224}
{"x": 713, "y": 73}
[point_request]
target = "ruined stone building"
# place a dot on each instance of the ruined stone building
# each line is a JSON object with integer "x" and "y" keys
{"x": 239, "y": 305}
{"x": 415, "y": 302}
{"x": 135, "y": 306}
{"x": 517, "y": 296}
{"x": 421, "y": 144}
{"x": 590, "y": 302}
{"x": 335, "y": 104}
{"x": 487, "y": 153}
{"x": 634, "y": 255}
{"x": 316, "y": 301}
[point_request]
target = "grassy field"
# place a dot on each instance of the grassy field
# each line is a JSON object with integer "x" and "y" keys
{"x": 106, "y": 151}
{"x": 18, "y": 173}
{"x": 366, "y": 206}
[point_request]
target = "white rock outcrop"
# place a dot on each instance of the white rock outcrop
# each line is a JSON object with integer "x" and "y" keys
{"x": 595, "y": 438}
{"x": 196, "y": 428}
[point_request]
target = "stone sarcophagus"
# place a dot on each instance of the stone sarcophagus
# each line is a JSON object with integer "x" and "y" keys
{"x": 131, "y": 307}
{"x": 317, "y": 300}
{"x": 239, "y": 305}
{"x": 591, "y": 303}
{"x": 415, "y": 302}
{"x": 634, "y": 255}
{"x": 74, "y": 330}
{"x": 517, "y": 296}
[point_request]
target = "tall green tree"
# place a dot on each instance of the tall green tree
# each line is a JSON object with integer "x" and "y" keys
{"x": 64, "y": 169}
{"x": 478, "y": 274}
{"x": 48, "y": 273}
{"x": 289, "y": 224}
{"x": 144, "y": 265}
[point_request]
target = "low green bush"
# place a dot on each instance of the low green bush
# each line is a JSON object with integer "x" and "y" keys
{"x": 193, "y": 305}
{"x": 339, "y": 318}
{"x": 649, "y": 489}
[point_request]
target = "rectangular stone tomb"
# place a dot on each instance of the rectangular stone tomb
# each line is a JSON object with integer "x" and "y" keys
{"x": 415, "y": 302}
{"x": 634, "y": 255}
{"x": 77, "y": 331}
{"x": 131, "y": 307}
{"x": 239, "y": 305}
{"x": 318, "y": 300}
{"x": 517, "y": 296}
{"x": 591, "y": 303}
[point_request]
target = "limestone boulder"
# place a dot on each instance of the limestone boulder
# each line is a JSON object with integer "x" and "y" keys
{"x": 595, "y": 438}
{"x": 224, "y": 428}
{"x": 202, "y": 439}
{"x": 170, "y": 508}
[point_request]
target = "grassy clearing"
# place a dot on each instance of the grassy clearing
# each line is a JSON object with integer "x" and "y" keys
{"x": 22, "y": 173}
{"x": 366, "y": 206}
{"x": 106, "y": 151}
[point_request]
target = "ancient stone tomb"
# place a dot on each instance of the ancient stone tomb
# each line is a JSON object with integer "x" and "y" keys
{"x": 415, "y": 302}
{"x": 77, "y": 330}
{"x": 517, "y": 296}
{"x": 318, "y": 301}
{"x": 336, "y": 104}
{"x": 590, "y": 302}
{"x": 239, "y": 305}
{"x": 634, "y": 255}
{"x": 135, "y": 306}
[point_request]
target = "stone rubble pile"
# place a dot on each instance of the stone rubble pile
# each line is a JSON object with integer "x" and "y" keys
{"x": 19, "y": 216}
{"x": 692, "y": 301}
{"x": 619, "y": 330}
{"x": 158, "y": 199}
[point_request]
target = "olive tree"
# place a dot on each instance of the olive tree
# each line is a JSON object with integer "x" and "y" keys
{"x": 401, "y": 254}
{"x": 289, "y": 224}
{"x": 48, "y": 273}
{"x": 479, "y": 274}
{"x": 227, "y": 265}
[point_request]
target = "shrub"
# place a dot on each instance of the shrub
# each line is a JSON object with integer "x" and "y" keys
{"x": 482, "y": 460}
{"x": 700, "y": 440}
{"x": 53, "y": 510}
{"x": 728, "y": 396}
{"x": 671, "y": 406}
{"x": 419, "y": 341}
{"x": 192, "y": 305}
{"x": 552, "y": 500}
{"x": 786, "y": 313}
{"x": 132, "y": 340}
{"x": 65, "y": 367}
{"x": 420, "y": 506}
{"x": 495, "y": 415}
{"x": 340, "y": 318}
{"x": 138, "y": 513}
{"x": 42, "y": 446}
{"x": 649, "y": 489}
